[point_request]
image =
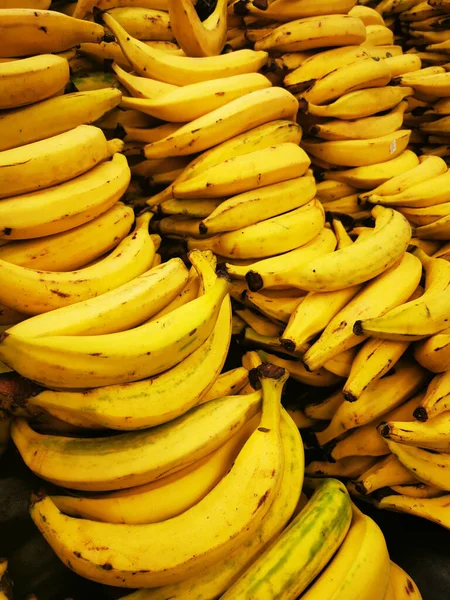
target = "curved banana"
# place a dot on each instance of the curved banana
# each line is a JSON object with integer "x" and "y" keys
{"x": 360, "y": 568}
{"x": 386, "y": 472}
{"x": 427, "y": 315}
{"x": 141, "y": 87}
{"x": 44, "y": 163}
{"x": 178, "y": 70}
{"x": 359, "y": 153}
{"x": 361, "y": 129}
{"x": 257, "y": 205}
{"x": 378, "y": 35}
{"x": 437, "y": 398}
{"x": 195, "y": 37}
{"x": 29, "y": 31}
{"x": 350, "y": 467}
{"x": 225, "y": 384}
{"x": 431, "y": 467}
{"x": 144, "y": 23}
{"x": 331, "y": 189}
{"x": 166, "y": 561}
{"x": 34, "y": 292}
{"x": 434, "y": 352}
{"x": 402, "y": 584}
{"x": 339, "y": 335}
{"x": 314, "y": 32}
{"x": 319, "y": 378}
{"x": 434, "y": 85}
{"x": 437, "y": 230}
{"x": 418, "y": 490}
{"x": 359, "y": 104}
{"x": 434, "y": 434}
{"x": 257, "y": 322}
{"x": 236, "y": 117}
{"x": 197, "y": 99}
{"x": 433, "y": 509}
{"x": 270, "y": 237}
{"x": 31, "y": 79}
{"x": 355, "y": 264}
{"x": 74, "y": 248}
{"x": 196, "y": 208}
{"x": 279, "y": 10}
{"x": 67, "y": 205}
{"x": 246, "y": 173}
{"x": 277, "y": 309}
{"x": 427, "y": 193}
{"x": 165, "y": 498}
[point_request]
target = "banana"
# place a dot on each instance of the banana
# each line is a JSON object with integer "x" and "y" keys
{"x": 196, "y": 208}
{"x": 280, "y": 10}
{"x": 372, "y": 362}
{"x": 178, "y": 70}
{"x": 293, "y": 565}
{"x": 144, "y": 23}
{"x": 215, "y": 580}
{"x": 253, "y": 206}
{"x": 264, "y": 136}
{"x": 368, "y": 127}
{"x": 118, "y": 310}
{"x": 189, "y": 292}
{"x": 278, "y": 309}
{"x": 378, "y": 35}
{"x": 380, "y": 397}
{"x": 141, "y": 87}
{"x": 34, "y": 292}
{"x": 440, "y": 127}
{"x": 427, "y": 169}
{"x": 366, "y": 440}
{"x": 165, "y": 498}
{"x": 386, "y": 472}
{"x": 195, "y": 37}
{"x": 100, "y": 473}
{"x": 324, "y": 410}
{"x": 321, "y": 64}
{"x": 402, "y": 585}
{"x": 28, "y": 31}
{"x": 270, "y": 237}
{"x": 434, "y": 352}
{"x": 368, "y": 16}
{"x": 427, "y": 215}
{"x": 246, "y": 173}
{"x": 74, "y": 248}
{"x": 363, "y": 73}
{"x": 31, "y": 79}
{"x": 350, "y": 467}
{"x": 355, "y": 264}
{"x": 428, "y": 466}
{"x": 236, "y": 117}
{"x": 330, "y": 189}
{"x": 44, "y": 163}
{"x": 437, "y": 398}
{"x": 433, "y": 509}
{"x": 436, "y": 85}
{"x": 257, "y": 322}
{"x": 427, "y": 193}
{"x": 442, "y": 107}
{"x": 360, "y": 152}
{"x": 166, "y": 561}
{"x": 226, "y": 384}
{"x": 434, "y": 434}
{"x": 98, "y": 53}
{"x": 360, "y": 568}
{"x": 179, "y": 226}
{"x": 421, "y": 11}
{"x": 319, "y": 378}
{"x": 252, "y": 338}
{"x": 418, "y": 490}
{"x": 438, "y": 230}
{"x": 418, "y": 318}
{"x": 8, "y": 316}
{"x": 65, "y": 206}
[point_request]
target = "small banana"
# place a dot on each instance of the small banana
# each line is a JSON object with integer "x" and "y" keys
{"x": 332, "y": 189}
{"x": 195, "y": 37}
{"x": 386, "y": 472}
{"x": 434, "y": 352}
{"x": 144, "y": 23}
{"x": 258, "y": 323}
{"x": 433, "y": 435}
{"x": 427, "y": 193}
{"x": 350, "y": 467}
{"x": 324, "y": 410}
{"x": 226, "y": 384}
{"x": 437, "y": 230}
{"x": 433, "y": 509}
{"x": 437, "y": 398}
{"x": 277, "y": 309}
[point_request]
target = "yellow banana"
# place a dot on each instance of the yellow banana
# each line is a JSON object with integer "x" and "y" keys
{"x": 355, "y": 264}
{"x": 141, "y": 87}
{"x": 238, "y": 116}
{"x": 433, "y": 509}
{"x": 324, "y": 410}
{"x": 31, "y": 79}
{"x": 178, "y": 70}
{"x": 166, "y": 561}
{"x": 434, "y": 434}
{"x": 434, "y": 352}
{"x": 437, "y": 230}
{"x": 195, "y": 37}
{"x": 144, "y": 23}
{"x": 319, "y": 378}
{"x": 28, "y": 31}
{"x": 386, "y": 472}
{"x": 34, "y": 292}
{"x": 270, "y": 237}
{"x": 436, "y": 85}
{"x": 6, "y": 585}
{"x": 280, "y": 10}
{"x": 359, "y": 153}
{"x": 74, "y": 248}
{"x": 402, "y": 585}
{"x": 350, "y": 467}
{"x": 257, "y": 322}
{"x": 359, "y": 104}
{"x": 44, "y": 163}
{"x": 251, "y": 338}
{"x": 196, "y": 208}
{"x": 437, "y": 398}
{"x": 368, "y": 127}
{"x": 245, "y": 173}
{"x": 378, "y": 35}
{"x": 278, "y": 309}
{"x": 330, "y": 189}
{"x": 226, "y": 384}
{"x": 418, "y": 490}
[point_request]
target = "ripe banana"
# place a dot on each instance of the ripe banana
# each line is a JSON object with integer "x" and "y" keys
{"x": 195, "y": 37}
{"x": 360, "y": 129}
{"x": 324, "y": 410}
{"x": 423, "y": 317}
{"x": 434, "y": 434}
{"x": 355, "y": 264}
{"x": 75, "y": 248}
{"x": 438, "y": 230}
{"x": 166, "y": 561}
{"x": 34, "y": 292}
{"x": 434, "y": 85}
{"x": 350, "y": 468}
{"x": 141, "y": 87}
{"x": 44, "y": 163}
{"x": 226, "y": 384}
{"x": 196, "y": 209}
{"x": 293, "y": 565}
{"x": 67, "y": 205}
{"x": 196, "y": 100}
{"x": 360, "y": 152}
{"x": 178, "y": 70}
{"x": 418, "y": 490}
{"x": 379, "y": 398}
{"x": 280, "y": 10}
{"x": 434, "y": 352}
{"x": 378, "y": 35}
{"x": 437, "y": 398}
{"x": 246, "y": 173}
{"x": 144, "y": 23}
{"x": 236, "y": 117}
{"x": 330, "y": 189}
{"x": 319, "y": 378}
{"x": 386, "y": 472}
{"x": 402, "y": 584}
{"x": 28, "y": 31}
{"x": 360, "y": 568}
{"x": 257, "y": 322}
{"x": 270, "y": 237}
{"x": 277, "y": 309}
{"x": 31, "y": 79}
{"x": 314, "y": 32}
{"x": 433, "y": 509}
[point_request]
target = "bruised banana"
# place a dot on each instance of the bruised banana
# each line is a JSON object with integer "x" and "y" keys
{"x": 195, "y": 37}
{"x": 33, "y": 292}
{"x": 177, "y": 70}
{"x": 166, "y": 561}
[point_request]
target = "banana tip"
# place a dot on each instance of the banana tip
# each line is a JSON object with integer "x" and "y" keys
{"x": 349, "y": 396}
{"x": 358, "y": 328}
{"x": 420, "y": 414}
{"x": 384, "y": 430}
{"x": 288, "y": 345}
{"x": 254, "y": 281}
{"x": 270, "y": 371}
